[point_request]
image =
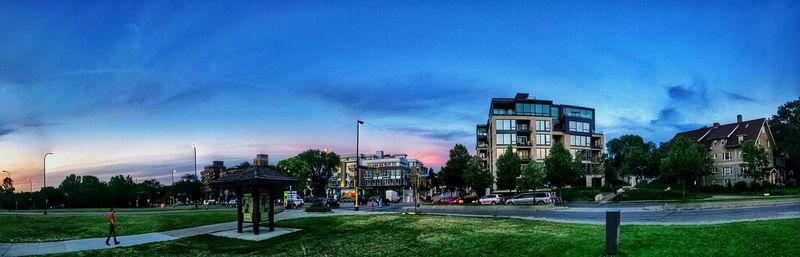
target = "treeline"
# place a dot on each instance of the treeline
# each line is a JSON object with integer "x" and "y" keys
{"x": 89, "y": 191}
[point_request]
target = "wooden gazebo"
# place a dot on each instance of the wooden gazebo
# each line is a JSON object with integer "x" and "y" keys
{"x": 255, "y": 181}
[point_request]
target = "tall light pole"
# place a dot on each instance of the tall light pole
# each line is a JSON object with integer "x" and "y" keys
{"x": 358, "y": 161}
{"x": 44, "y": 173}
{"x": 31, "y": 182}
{"x": 194, "y": 146}
{"x": 173, "y": 189}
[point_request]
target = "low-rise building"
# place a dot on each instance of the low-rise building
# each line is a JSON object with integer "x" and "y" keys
{"x": 378, "y": 172}
{"x": 724, "y": 143}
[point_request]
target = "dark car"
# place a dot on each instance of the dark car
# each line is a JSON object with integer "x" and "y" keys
{"x": 450, "y": 200}
{"x": 332, "y": 203}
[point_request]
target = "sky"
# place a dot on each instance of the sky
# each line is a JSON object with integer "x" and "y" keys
{"x": 127, "y": 88}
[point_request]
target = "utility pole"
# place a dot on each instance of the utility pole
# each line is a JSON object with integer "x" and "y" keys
{"x": 358, "y": 161}
{"x": 173, "y": 189}
{"x": 194, "y": 146}
{"x": 44, "y": 173}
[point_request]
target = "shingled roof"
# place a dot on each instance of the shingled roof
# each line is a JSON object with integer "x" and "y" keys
{"x": 705, "y": 136}
{"x": 254, "y": 176}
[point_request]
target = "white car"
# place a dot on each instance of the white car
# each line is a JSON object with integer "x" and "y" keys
{"x": 491, "y": 199}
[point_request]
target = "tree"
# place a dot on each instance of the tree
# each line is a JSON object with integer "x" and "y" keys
{"x": 559, "y": 166}
{"x": 297, "y": 169}
{"x": 477, "y": 177}
{"x": 508, "y": 169}
{"x": 452, "y": 173}
{"x": 532, "y": 176}
{"x": 322, "y": 165}
{"x": 630, "y": 155}
{"x": 755, "y": 162}
{"x": 93, "y": 192}
{"x": 188, "y": 186}
{"x": 785, "y": 126}
{"x": 150, "y": 190}
{"x": 121, "y": 189}
{"x": 8, "y": 184}
{"x": 686, "y": 161}
{"x": 71, "y": 187}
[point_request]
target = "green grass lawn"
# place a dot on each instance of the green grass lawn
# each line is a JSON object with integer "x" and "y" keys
{"x": 178, "y": 208}
{"x": 429, "y": 235}
{"x": 24, "y": 228}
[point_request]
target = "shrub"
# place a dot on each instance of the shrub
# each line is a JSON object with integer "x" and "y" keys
{"x": 740, "y": 186}
{"x": 318, "y": 208}
{"x": 578, "y": 194}
{"x": 639, "y": 194}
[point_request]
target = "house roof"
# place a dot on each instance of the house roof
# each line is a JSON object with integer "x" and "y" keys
{"x": 254, "y": 176}
{"x": 705, "y": 136}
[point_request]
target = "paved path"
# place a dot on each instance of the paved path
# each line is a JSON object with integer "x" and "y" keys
{"x": 24, "y": 249}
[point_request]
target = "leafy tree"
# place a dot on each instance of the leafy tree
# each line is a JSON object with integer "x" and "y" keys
{"x": 188, "y": 187}
{"x": 559, "y": 166}
{"x": 785, "y": 126}
{"x": 150, "y": 190}
{"x": 8, "y": 184}
{"x": 755, "y": 162}
{"x": 297, "y": 169}
{"x": 121, "y": 189}
{"x": 508, "y": 169}
{"x": 531, "y": 177}
{"x": 71, "y": 187}
{"x": 452, "y": 173}
{"x": 630, "y": 155}
{"x": 477, "y": 177}
{"x": 322, "y": 164}
{"x": 686, "y": 161}
{"x": 92, "y": 191}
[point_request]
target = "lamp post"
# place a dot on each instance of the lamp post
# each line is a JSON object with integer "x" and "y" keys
{"x": 31, "y": 182}
{"x": 44, "y": 173}
{"x": 173, "y": 189}
{"x": 358, "y": 161}
{"x": 194, "y": 146}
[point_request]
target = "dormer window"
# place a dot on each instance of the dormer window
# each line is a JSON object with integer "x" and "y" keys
{"x": 722, "y": 142}
{"x": 741, "y": 138}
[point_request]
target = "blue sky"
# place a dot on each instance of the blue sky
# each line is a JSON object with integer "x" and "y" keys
{"x": 128, "y": 87}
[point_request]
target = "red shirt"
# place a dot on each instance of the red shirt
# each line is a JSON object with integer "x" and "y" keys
{"x": 111, "y": 217}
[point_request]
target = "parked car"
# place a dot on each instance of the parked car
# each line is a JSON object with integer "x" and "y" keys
{"x": 294, "y": 201}
{"x": 491, "y": 199}
{"x": 534, "y": 198}
{"x": 332, "y": 203}
{"x": 450, "y": 200}
{"x": 211, "y": 202}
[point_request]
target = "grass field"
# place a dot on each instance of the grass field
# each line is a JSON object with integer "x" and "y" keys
{"x": 40, "y": 228}
{"x": 428, "y": 235}
{"x": 178, "y": 208}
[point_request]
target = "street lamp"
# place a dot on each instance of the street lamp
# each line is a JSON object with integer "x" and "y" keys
{"x": 173, "y": 189}
{"x": 31, "y": 182}
{"x": 44, "y": 173}
{"x": 358, "y": 161}
{"x": 194, "y": 146}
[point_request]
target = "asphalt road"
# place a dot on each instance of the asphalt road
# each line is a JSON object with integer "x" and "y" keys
{"x": 637, "y": 213}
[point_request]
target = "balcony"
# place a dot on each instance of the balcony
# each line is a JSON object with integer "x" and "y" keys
{"x": 483, "y": 145}
{"x": 526, "y": 143}
{"x": 523, "y": 128}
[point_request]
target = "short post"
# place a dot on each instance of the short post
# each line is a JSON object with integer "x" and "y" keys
{"x": 612, "y": 232}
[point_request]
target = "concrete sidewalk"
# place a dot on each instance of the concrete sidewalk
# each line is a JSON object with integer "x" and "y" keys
{"x": 25, "y": 249}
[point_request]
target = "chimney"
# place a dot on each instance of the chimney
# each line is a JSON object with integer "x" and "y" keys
{"x": 739, "y": 118}
{"x": 716, "y": 125}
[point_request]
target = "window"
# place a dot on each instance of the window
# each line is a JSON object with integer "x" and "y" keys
{"x": 714, "y": 170}
{"x": 577, "y": 126}
{"x": 579, "y": 140}
{"x": 542, "y": 139}
{"x": 529, "y": 109}
{"x": 576, "y": 112}
{"x": 506, "y": 139}
{"x": 727, "y": 170}
{"x": 498, "y": 111}
{"x": 523, "y": 140}
{"x": 554, "y": 112}
{"x": 542, "y": 125}
{"x": 505, "y": 124}
{"x": 542, "y": 153}
{"x": 727, "y": 156}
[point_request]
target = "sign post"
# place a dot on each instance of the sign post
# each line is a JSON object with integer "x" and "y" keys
{"x": 612, "y": 232}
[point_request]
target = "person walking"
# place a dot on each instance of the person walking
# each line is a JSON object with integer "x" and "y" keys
{"x": 111, "y": 229}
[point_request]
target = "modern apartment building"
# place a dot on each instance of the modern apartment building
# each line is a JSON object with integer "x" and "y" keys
{"x": 530, "y": 126}
{"x": 378, "y": 172}
{"x": 212, "y": 172}
{"x": 724, "y": 143}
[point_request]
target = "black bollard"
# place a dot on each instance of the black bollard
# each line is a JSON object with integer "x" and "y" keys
{"x": 612, "y": 232}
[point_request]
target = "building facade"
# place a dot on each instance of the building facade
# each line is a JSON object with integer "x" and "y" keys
{"x": 212, "y": 172}
{"x": 530, "y": 126}
{"x": 261, "y": 160}
{"x": 378, "y": 172}
{"x": 724, "y": 143}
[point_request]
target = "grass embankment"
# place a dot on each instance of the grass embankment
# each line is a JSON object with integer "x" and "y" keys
{"x": 428, "y": 235}
{"x": 24, "y": 228}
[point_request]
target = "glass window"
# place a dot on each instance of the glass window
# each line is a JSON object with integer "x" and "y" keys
{"x": 505, "y": 125}
{"x": 506, "y": 139}
{"x": 543, "y": 139}
{"x": 579, "y": 140}
{"x": 542, "y": 153}
{"x": 542, "y": 125}
{"x": 577, "y": 126}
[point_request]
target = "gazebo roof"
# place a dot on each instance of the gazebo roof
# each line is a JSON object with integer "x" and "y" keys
{"x": 254, "y": 176}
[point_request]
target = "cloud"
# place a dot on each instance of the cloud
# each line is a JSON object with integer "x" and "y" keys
{"x": 739, "y": 97}
{"x": 443, "y": 135}
{"x": 416, "y": 95}
{"x": 5, "y": 131}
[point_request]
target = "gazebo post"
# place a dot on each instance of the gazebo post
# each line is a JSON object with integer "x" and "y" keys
{"x": 256, "y": 210}
{"x": 272, "y": 210}
{"x": 239, "y": 213}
